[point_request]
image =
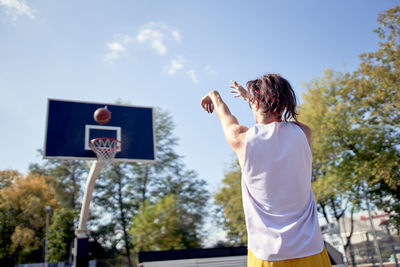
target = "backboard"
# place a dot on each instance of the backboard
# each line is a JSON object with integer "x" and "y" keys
{"x": 70, "y": 127}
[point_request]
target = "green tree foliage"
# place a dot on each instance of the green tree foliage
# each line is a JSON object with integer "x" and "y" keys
{"x": 230, "y": 208}
{"x": 151, "y": 177}
{"x": 355, "y": 123}
{"x": 107, "y": 236}
{"x": 67, "y": 178}
{"x": 169, "y": 175}
{"x": 123, "y": 187}
{"x": 112, "y": 194}
{"x": 7, "y": 177}
{"x": 191, "y": 196}
{"x": 7, "y": 220}
{"x": 68, "y": 175}
{"x": 372, "y": 92}
{"x": 22, "y": 214}
{"x": 61, "y": 235}
{"x": 163, "y": 226}
{"x": 333, "y": 130}
{"x": 7, "y": 226}
{"x": 335, "y": 184}
{"x": 373, "y": 100}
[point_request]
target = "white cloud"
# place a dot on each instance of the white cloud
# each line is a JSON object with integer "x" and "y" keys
{"x": 210, "y": 70}
{"x": 117, "y": 47}
{"x": 176, "y": 35}
{"x": 156, "y": 35}
{"x": 147, "y": 34}
{"x": 159, "y": 47}
{"x": 175, "y": 65}
{"x": 15, "y": 8}
{"x": 193, "y": 76}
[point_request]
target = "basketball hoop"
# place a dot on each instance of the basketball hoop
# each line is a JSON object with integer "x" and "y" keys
{"x": 105, "y": 148}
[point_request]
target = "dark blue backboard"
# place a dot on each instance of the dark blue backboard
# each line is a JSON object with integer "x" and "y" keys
{"x": 70, "y": 127}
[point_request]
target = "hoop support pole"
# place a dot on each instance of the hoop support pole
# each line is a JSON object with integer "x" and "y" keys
{"x": 87, "y": 197}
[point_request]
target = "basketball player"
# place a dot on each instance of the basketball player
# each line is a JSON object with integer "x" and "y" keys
{"x": 275, "y": 159}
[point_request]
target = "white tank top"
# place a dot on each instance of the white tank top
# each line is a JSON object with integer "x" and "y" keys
{"x": 279, "y": 206}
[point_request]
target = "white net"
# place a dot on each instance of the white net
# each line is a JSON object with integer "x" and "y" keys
{"x": 105, "y": 148}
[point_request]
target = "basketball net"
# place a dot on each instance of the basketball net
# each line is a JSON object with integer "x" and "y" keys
{"x": 105, "y": 148}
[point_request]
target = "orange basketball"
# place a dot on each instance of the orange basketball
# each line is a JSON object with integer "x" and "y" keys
{"x": 102, "y": 115}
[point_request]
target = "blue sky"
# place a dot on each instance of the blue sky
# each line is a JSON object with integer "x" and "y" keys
{"x": 167, "y": 54}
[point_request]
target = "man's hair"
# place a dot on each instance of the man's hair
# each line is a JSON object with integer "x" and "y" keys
{"x": 274, "y": 95}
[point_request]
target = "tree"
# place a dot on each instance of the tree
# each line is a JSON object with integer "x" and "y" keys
{"x": 162, "y": 226}
{"x": 230, "y": 208}
{"x": 148, "y": 177}
{"x": 335, "y": 184}
{"x": 192, "y": 199}
{"x": 123, "y": 187}
{"x": 61, "y": 235}
{"x": 68, "y": 175}
{"x": 355, "y": 120}
{"x": 374, "y": 98}
{"x": 170, "y": 176}
{"x": 7, "y": 177}
{"x": 112, "y": 195}
{"x": 67, "y": 178}
{"x": 22, "y": 206}
{"x": 7, "y": 220}
{"x": 106, "y": 236}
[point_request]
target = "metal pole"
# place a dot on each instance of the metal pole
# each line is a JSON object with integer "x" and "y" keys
{"x": 392, "y": 246}
{"x": 87, "y": 197}
{"x": 369, "y": 250}
{"x": 47, "y": 209}
{"x": 81, "y": 250}
{"x": 345, "y": 260}
{"x": 376, "y": 245}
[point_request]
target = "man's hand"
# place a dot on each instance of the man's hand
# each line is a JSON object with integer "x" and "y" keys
{"x": 207, "y": 104}
{"x": 239, "y": 90}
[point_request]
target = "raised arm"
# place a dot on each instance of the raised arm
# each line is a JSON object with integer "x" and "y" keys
{"x": 235, "y": 133}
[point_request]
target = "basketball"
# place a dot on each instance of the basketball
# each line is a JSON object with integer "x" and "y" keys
{"x": 102, "y": 115}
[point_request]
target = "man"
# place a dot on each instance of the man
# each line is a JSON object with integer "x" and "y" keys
{"x": 276, "y": 161}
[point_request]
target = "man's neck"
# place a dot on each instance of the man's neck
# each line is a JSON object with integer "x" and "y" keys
{"x": 264, "y": 119}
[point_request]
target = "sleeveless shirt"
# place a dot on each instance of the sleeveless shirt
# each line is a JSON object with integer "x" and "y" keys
{"x": 279, "y": 206}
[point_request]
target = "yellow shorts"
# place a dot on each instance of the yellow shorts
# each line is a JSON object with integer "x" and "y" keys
{"x": 317, "y": 260}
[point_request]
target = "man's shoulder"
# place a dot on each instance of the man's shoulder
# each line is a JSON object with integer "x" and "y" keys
{"x": 307, "y": 130}
{"x": 304, "y": 127}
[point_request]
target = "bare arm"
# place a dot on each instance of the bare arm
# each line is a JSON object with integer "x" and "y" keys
{"x": 235, "y": 133}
